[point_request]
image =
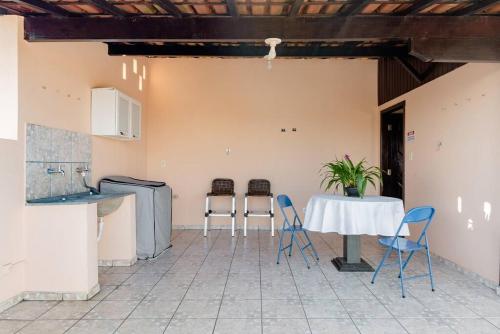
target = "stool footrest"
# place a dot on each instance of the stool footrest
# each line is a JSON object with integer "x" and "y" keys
{"x": 259, "y": 214}
{"x": 213, "y": 213}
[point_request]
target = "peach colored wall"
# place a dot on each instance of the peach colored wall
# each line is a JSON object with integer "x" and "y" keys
{"x": 12, "y": 195}
{"x": 461, "y": 110}
{"x": 63, "y": 260}
{"x": 200, "y": 107}
{"x": 119, "y": 234}
{"x": 54, "y": 86}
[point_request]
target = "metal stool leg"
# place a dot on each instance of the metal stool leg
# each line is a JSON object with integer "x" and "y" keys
{"x": 207, "y": 208}
{"x": 245, "y": 217}
{"x": 233, "y": 214}
{"x": 272, "y": 216}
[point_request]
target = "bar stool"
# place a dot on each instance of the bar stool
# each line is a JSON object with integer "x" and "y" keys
{"x": 259, "y": 188}
{"x": 221, "y": 187}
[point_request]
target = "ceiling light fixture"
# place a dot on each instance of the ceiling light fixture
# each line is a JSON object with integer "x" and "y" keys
{"x": 271, "y": 42}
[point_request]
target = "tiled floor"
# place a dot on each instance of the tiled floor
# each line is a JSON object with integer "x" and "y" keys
{"x": 227, "y": 285}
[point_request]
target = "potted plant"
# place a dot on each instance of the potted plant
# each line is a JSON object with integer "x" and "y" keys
{"x": 353, "y": 177}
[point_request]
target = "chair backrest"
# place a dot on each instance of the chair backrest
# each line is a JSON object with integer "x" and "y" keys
{"x": 285, "y": 202}
{"x": 259, "y": 187}
{"x": 222, "y": 187}
{"x": 418, "y": 215}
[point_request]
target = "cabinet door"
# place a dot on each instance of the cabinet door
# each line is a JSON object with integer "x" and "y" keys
{"x": 136, "y": 120}
{"x": 123, "y": 116}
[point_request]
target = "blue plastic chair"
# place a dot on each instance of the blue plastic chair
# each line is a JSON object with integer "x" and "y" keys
{"x": 294, "y": 228}
{"x": 423, "y": 214}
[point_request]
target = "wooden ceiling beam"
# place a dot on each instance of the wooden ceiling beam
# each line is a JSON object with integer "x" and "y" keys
{"x": 249, "y": 29}
{"x": 311, "y": 51}
{"x": 106, "y": 7}
{"x": 170, "y": 7}
{"x": 46, "y": 7}
{"x": 231, "y": 8}
{"x": 462, "y": 50}
{"x": 476, "y": 7}
{"x": 417, "y": 6}
{"x": 355, "y": 7}
{"x": 5, "y": 10}
{"x": 297, "y": 4}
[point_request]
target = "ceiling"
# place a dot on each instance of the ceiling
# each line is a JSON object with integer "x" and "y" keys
{"x": 446, "y": 31}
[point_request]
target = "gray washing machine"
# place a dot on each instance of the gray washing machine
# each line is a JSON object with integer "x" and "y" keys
{"x": 153, "y": 212}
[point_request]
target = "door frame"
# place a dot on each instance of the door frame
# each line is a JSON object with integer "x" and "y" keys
{"x": 390, "y": 110}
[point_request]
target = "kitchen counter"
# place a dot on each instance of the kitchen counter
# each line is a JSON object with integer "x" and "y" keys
{"x": 80, "y": 198}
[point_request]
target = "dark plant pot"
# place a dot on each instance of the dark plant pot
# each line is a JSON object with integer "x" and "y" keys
{"x": 351, "y": 191}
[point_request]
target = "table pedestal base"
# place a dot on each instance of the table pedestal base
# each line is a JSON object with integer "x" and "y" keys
{"x": 352, "y": 261}
{"x": 343, "y": 266}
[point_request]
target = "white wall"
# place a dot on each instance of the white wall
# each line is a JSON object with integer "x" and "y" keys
{"x": 461, "y": 110}
{"x": 9, "y": 34}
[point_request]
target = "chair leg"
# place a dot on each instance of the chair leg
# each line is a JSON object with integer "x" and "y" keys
{"x": 280, "y": 245}
{"x": 272, "y": 216}
{"x": 312, "y": 246}
{"x": 245, "y": 217}
{"x": 386, "y": 255}
{"x": 408, "y": 259}
{"x": 401, "y": 275}
{"x": 430, "y": 267}
{"x": 207, "y": 208}
{"x": 301, "y": 251}
{"x": 291, "y": 243}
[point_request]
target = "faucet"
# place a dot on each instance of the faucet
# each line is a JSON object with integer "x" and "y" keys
{"x": 83, "y": 172}
{"x": 59, "y": 170}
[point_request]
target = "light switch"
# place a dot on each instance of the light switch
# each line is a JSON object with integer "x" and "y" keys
{"x": 411, "y": 156}
{"x": 228, "y": 150}
{"x": 163, "y": 163}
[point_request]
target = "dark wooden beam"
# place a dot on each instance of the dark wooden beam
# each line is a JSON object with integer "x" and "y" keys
{"x": 5, "y": 10}
{"x": 417, "y": 6}
{"x": 297, "y": 4}
{"x": 169, "y": 6}
{"x": 258, "y": 28}
{"x": 476, "y": 7}
{"x": 209, "y": 50}
{"x": 410, "y": 69}
{"x": 106, "y": 7}
{"x": 46, "y": 7}
{"x": 456, "y": 50}
{"x": 231, "y": 8}
{"x": 355, "y": 7}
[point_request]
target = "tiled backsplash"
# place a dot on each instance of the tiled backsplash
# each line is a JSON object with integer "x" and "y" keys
{"x": 48, "y": 148}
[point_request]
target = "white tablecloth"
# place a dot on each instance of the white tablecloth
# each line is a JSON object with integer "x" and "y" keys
{"x": 372, "y": 215}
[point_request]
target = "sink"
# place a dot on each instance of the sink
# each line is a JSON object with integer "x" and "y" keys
{"x": 106, "y": 203}
{"x": 108, "y": 206}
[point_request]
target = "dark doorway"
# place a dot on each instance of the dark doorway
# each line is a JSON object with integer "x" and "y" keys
{"x": 392, "y": 158}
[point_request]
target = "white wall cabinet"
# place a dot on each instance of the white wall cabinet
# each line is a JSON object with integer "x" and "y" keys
{"x": 115, "y": 114}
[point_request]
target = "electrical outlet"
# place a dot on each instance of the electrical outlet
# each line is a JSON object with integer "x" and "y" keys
{"x": 283, "y": 130}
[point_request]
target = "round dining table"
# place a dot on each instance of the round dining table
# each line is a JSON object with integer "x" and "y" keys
{"x": 352, "y": 217}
